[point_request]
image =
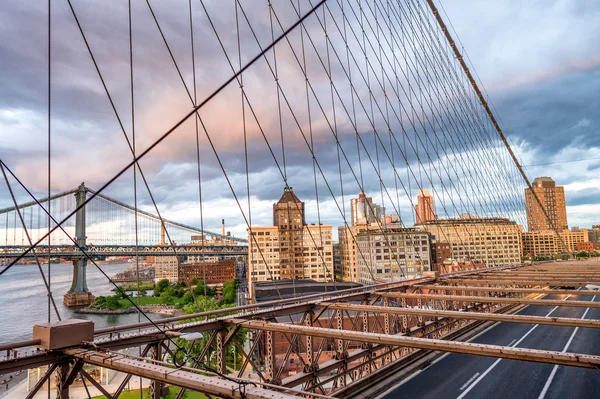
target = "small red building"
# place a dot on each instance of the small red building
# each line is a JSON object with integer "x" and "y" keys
{"x": 585, "y": 246}
{"x": 213, "y": 272}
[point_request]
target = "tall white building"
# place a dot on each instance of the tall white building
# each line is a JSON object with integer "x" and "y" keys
{"x": 166, "y": 267}
{"x": 493, "y": 241}
{"x": 393, "y": 254}
{"x": 364, "y": 211}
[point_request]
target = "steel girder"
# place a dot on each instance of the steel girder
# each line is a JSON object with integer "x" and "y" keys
{"x": 484, "y": 299}
{"x": 182, "y": 378}
{"x": 533, "y": 355}
{"x": 508, "y": 290}
{"x": 387, "y": 310}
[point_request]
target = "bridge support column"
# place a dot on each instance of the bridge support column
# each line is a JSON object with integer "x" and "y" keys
{"x": 157, "y": 389}
{"x": 221, "y": 352}
{"x": 270, "y": 367}
{"x": 311, "y": 365}
{"x": 387, "y": 330}
{"x": 78, "y": 294}
{"x": 62, "y": 385}
{"x": 341, "y": 352}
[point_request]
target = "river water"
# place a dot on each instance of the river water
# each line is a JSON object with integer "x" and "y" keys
{"x": 24, "y": 303}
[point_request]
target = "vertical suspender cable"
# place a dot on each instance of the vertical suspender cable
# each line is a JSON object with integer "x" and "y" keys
{"x": 135, "y": 215}
{"x": 196, "y": 117}
{"x": 489, "y": 112}
{"x": 241, "y": 84}
{"x": 49, "y": 154}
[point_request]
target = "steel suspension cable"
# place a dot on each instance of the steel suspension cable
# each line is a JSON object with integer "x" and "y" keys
{"x": 172, "y": 129}
{"x": 199, "y": 169}
{"x": 49, "y": 154}
{"x": 84, "y": 252}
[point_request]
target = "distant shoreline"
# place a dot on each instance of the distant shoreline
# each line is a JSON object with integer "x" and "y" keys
{"x": 158, "y": 309}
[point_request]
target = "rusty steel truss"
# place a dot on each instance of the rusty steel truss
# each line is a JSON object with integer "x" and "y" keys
{"x": 323, "y": 345}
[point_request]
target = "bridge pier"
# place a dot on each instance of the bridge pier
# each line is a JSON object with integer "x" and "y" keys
{"x": 78, "y": 294}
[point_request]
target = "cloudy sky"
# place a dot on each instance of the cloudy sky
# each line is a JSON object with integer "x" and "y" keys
{"x": 538, "y": 60}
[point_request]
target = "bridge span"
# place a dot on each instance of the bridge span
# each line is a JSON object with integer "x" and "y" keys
{"x": 434, "y": 336}
{"x": 103, "y": 251}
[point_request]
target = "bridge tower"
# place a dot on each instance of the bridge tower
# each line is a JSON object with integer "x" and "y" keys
{"x": 78, "y": 294}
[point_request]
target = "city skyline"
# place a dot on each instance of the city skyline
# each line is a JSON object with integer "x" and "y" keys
{"x": 517, "y": 100}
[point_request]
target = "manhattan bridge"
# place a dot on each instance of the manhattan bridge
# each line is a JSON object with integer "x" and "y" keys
{"x": 334, "y": 98}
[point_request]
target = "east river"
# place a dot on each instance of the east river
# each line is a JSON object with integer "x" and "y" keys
{"x": 24, "y": 302}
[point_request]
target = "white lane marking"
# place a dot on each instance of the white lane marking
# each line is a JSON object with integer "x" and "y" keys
{"x": 466, "y": 384}
{"x": 486, "y": 372}
{"x": 410, "y": 377}
{"x": 555, "y": 368}
{"x": 473, "y": 338}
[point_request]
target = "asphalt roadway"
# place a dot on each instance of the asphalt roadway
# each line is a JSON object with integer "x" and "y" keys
{"x": 466, "y": 376}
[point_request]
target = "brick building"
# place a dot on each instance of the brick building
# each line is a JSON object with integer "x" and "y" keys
{"x": 216, "y": 272}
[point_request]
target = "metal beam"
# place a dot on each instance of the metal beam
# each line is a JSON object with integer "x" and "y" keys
{"x": 10, "y": 365}
{"x": 508, "y": 290}
{"x": 532, "y": 355}
{"x": 96, "y": 384}
{"x": 485, "y": 299}
{"x": 553, "y": 321}
{"x": 514, "y": 282}
{"x": 185, "y": 379}
{"x": 41, "y": 381}
{"x": 533, "y": 280}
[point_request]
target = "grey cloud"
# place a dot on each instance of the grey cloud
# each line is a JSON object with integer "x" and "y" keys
{"x": 583, "y": 197}
{"x": 539, "y": 114}
{"x": 593, "y": 166}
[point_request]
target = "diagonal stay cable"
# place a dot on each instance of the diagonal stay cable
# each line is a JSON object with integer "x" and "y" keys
{"x": 409, "y": 169}
{"x": 362, "y": 106}
{"x": 79, "y": 247}
{"x": 114, "y": 108}
{"x": 37, "y": 260}
{"x": 430, "y": 103}
{"x": 301, "y": 130}
{"x": 296, "y": 121}
{"x": 169, "y": 131}
{"x": 215, "y": 152}
{"x": 280, "y": 90}
{"x": 415, "y": 115}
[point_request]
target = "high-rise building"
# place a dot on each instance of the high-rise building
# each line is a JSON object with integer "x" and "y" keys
{"x": 393, "y": 254}
{"x": 552, "y": 198}
{"x": 364, "y": 211}
{"x": 348, "y": 250}
{"x": 425, "y": 208}
{"x": 166, "y": 267}
{"x": 289, "y": 249}
{"x": 288, "y": 217}
{"x": 493, "y": 241}
{"x": 547, "y": 244}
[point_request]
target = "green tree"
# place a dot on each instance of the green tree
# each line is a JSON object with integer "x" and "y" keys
{"x": 229, "y": 291}
{"x": 195, "y": 348}
{"x": 161, "y": 286}
{"x": 120, "y": 293}
{"x": 165, "y": 297}
{"x": 112, "y": 302}
{"x": 100, "y": 302}
{"x": 188, "y": 297}
{"x": 194, "y": 281}
{"x": 199, "y": 290}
